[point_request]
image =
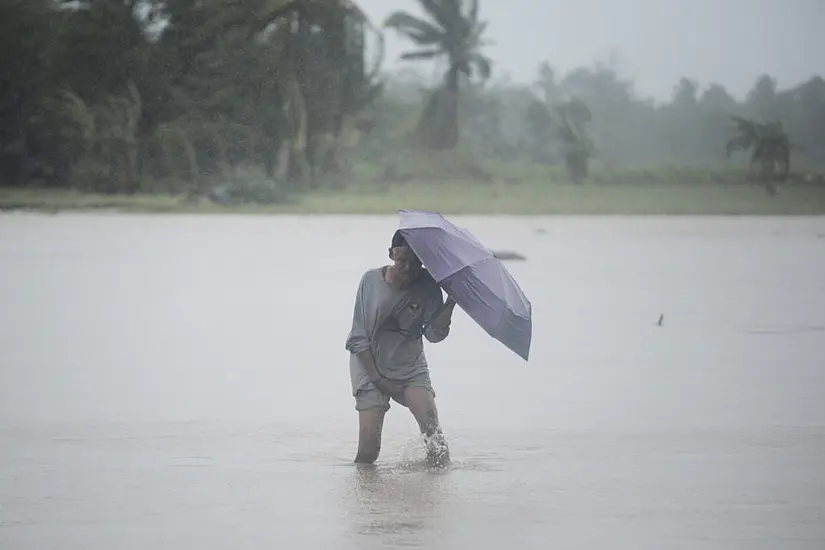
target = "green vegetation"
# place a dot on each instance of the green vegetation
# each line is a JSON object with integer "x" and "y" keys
{"x": 771, "y": 148}
{"x": 456, "y": 36}
{"x": 282, "y": 106}
{"x": 568, "y": 129}
{"x": 632, "y": 192}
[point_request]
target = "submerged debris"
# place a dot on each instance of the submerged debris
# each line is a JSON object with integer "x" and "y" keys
{"x": 508, "y": 255}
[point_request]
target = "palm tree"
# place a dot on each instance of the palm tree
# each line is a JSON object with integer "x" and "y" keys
{"x": 576, "y": 144}
{"x": 770, "y": 144}
{"x": 566, "y": 123}
{"x": 454, "y": 33}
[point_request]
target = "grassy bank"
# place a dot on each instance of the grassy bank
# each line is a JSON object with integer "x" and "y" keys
{"x": 461, "y": 197}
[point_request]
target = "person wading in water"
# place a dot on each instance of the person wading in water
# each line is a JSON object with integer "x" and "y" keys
{"x": 396, "y": 306}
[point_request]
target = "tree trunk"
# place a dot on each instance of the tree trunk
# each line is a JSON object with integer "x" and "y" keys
{"x": 449, "y": 112}
{"x": 768, "y": 166}
{"x": 437, "y": 128}
{"x": 576, "y": 167}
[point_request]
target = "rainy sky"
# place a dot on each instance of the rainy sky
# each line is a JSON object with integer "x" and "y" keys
{"x": 656, "y": 42}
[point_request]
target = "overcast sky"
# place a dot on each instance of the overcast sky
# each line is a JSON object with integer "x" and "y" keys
{"x": 730, "y": 42}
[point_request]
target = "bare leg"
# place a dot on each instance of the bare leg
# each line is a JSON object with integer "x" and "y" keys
{"x": 421, "y": 403}
{"x": 370, "y": 425}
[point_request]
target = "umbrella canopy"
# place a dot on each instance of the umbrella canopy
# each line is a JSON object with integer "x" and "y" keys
{"x": 470, "y": 273}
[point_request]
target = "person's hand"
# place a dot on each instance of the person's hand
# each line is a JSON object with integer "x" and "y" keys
{"x": 388, "y": 386}
{"x": 447, "y": 310}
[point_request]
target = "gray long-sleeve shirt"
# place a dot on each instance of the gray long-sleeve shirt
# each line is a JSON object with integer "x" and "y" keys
{"x": 388, "y": 322}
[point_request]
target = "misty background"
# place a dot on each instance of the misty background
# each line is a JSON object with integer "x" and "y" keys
{"x": 655, "y": 43}
{"x": 154, "y": 391}
{"x": 172, "y": 95}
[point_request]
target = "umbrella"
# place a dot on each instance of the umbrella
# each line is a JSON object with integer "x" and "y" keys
{"x": 470, "y": 273}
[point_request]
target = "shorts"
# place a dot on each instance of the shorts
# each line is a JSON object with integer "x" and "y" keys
{"x": 372, "y": 397}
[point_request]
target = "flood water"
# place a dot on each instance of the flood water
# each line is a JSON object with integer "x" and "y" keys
{"x": 179, "y": 382}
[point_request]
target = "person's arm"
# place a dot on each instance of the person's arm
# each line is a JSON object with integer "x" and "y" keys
{"x": 439, "y": 327}
{"x": 358, "y": 341}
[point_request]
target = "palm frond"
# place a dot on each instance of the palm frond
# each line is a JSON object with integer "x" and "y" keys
{"x": 475, "y": 33}
{"x": 421, "y": 54}
{"x": 738, "y": 143}
{"x": 466, "y": 25}
{"x": 745, "y": 126}
{"x": 768, "y": 140}
{"x": 425, "y": 40}
{"x": 463, "y": 66}
{"x": 415, "y": 28}
{"x": 483, "y": 64}
{"x": 472, "y": 13}
{"x": 442, "y": 11}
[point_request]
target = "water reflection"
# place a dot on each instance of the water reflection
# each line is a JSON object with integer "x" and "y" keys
{"x": 398, "y": 503}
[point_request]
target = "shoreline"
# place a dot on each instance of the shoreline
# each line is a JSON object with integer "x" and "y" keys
{"x": 456, "y": 198}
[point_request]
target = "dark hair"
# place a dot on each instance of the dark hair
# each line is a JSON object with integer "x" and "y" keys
{"x": 398, "y": 239}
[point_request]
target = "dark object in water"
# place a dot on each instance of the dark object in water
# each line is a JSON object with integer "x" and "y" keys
{"x": 661, "y": 319}
{"x": 508, "y": 255}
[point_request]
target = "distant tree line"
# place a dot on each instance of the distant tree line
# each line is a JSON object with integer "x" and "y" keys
{"x": 593, "y": 114}
{"x": 124, "y": 95}
{"x": 102, "y": 93}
